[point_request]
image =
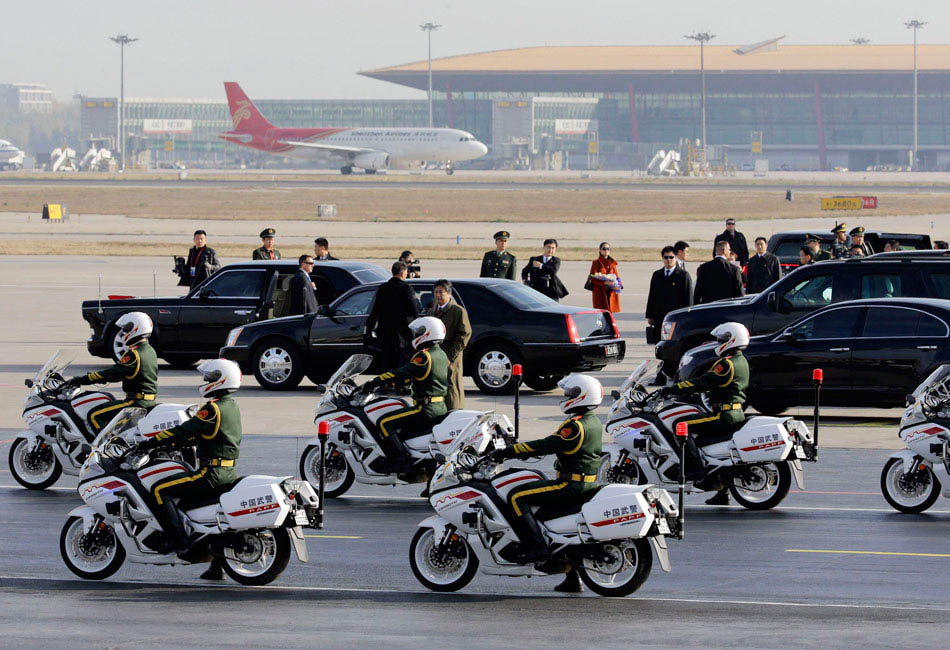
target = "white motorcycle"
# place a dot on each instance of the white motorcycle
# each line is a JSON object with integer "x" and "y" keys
{"x": 56, "y": 413}
{"x": 914, "y": 477}
{"x": 757, "y": 462}
{"x": 353, "y": 452}
{"x": 251, "y": 525}
{"x": 606, "y": 538}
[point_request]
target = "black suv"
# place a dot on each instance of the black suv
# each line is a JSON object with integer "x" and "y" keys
{"x": 786, "y": 245}
{"x": 195, "y": 326}
{"x": 802, "y": 291}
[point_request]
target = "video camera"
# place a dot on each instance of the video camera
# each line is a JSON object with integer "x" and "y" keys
{"x": 182, "y": 271}
{"x": 414, "y": 268}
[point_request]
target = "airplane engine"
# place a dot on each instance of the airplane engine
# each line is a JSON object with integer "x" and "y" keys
{"x": 377, "y": 160}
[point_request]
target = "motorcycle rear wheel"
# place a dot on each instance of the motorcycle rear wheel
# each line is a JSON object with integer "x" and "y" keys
{"x": 339, "y": 473}
{"x": 22, "y": 472}
{"x": 426, "y": 566}
{"x": 777, "y": 478}
{"x": 75, "y": 551}
{"x": 274, "y": 554}
{"x": 899, "y": 496}
{"x": 637, "y": 562}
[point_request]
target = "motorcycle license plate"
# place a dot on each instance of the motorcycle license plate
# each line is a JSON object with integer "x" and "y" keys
{"x": 300, "y": 518}
{"x": 663, "y": 526}
{"x": 611, "y": 350}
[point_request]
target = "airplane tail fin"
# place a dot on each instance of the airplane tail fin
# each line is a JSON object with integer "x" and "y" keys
{"x": 244, "y": 113}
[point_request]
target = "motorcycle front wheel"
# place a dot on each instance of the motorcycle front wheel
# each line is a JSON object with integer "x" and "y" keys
{"x": 339, "y": 476}
{"x": 617, "y": 568}
{"x": 628, "y": 473}
{"x": 261, "y": 556}
{"x": 764, "y": 488}
{"x": 441, "y": 569}
{"x": 93, "y": 557}
{"x": 910, "y": 492}
{"x": 33, "y": 469}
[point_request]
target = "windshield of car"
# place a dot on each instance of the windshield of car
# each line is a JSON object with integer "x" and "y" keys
{"x": 936, "y": 378}
{"x": 645, "y": 372}
{"x": 55, "y": 364}
{"x": 521, "y": 296}
{"x": 353, "y": 366}
{"x": 369, "y": 275}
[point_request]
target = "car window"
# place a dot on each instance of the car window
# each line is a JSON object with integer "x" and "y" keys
{"x": 941, "y": 284}
{"x": 356, "y": 305}
{"x": 340, "y": 280}
{"x": 833, "y": 324}
{"x": 791, "y": 247}
{"x": 424, "y": 294}
{"x": 370, "y": 275}
{"x": 236, "y": 284}
{"x": 892, "y": 322}
{"x": 881, "y": 285}
{"x": 326, "y": 292}
{"x": 521, "y": 296}
{"x": 816, "y": 291}
{"x": 930, "y": 326}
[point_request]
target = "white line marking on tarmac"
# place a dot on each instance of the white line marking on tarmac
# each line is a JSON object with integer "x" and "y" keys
{"x": 845, "y": 552}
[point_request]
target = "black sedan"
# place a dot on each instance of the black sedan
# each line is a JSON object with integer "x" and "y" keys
{"x": 511, "y": 324}
{"x": 873, "y": 353}
{"x": 194, "y": 326}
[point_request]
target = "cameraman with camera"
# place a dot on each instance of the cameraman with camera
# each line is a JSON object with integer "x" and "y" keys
{"x": 540, "y": 273}
{"x": 200, "y": 264}
{"x": 413, "y": 266}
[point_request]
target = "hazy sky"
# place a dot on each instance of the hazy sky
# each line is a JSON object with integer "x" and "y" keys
{"x": 283, "y": 49}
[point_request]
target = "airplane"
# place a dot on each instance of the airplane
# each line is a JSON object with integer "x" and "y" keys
{"x": 369, "y": 149}
{"x": 10, "y": 156}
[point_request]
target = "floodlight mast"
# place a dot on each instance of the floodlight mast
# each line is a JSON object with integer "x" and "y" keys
{"x": 702, "y": 38}
{"x": 122, "y": 40}
{"x": 915, "y": 25}
{"x": 429, "y": 28}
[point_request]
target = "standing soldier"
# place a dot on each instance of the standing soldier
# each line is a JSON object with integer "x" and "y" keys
{"x": 499, "y": 263}
{"x": 818, "y": 254}
{"x": 267, "y": 250}
{"x": 842, "y": 245}
{"x": 857, "y": 239}
{"x": 458, "y": 332}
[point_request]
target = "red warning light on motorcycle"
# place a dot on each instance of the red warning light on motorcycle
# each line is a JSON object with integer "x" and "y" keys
{"x": 323, "y": 429}
{"x": 817, "y": 375}
{"x": 516, "y": 370}
{"x": 682, "y": 429}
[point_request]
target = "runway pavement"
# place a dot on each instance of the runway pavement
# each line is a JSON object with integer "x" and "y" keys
{"x": 833, "y": 566}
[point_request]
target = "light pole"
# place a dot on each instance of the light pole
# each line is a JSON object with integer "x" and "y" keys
{"x": 122, "y": 40}
{"x": 703, "y": 38}
{"x": 430, "y": 27}
{"x": 915, "y": 25}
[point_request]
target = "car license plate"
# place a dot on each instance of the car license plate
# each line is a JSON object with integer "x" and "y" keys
{"x": 300, "y": 518}
{"x": 611, "y": 350}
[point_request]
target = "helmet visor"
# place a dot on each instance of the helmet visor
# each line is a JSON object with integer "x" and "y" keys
{"x": 572, "y": 391}
{"x": 213, "y": 375}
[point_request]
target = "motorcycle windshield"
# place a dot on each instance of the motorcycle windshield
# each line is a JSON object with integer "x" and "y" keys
{"x": 353, "y": 366}
{"x": 645, "y": 372}
{"x": 55, "y": 364}
{"x": 937, "y": 377}
{"x": 126, "y": 419}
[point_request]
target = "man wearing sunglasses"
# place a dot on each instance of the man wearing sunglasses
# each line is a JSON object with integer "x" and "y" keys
{"x": 671, "y": 287}
{"x": 303, "y": 299}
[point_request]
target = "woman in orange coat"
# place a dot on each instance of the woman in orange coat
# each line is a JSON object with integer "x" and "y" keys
{"x": 604, "y": 280}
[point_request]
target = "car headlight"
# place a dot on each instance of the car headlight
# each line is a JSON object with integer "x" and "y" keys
{"x": 666, "y": 332}
{"x": 233, "y": 336}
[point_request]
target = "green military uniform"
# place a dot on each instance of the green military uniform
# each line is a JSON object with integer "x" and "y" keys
{"x": 264, "y": 254}
{"x": 725, "y": 383}
{"x": 840, "y": 249}
{"x": 138, "y": 371}
{"x": 428, "y": 371}
{"x": 821, "y": 255}
{"x": 498, "y": 265}
{"x": 577, "y": 444}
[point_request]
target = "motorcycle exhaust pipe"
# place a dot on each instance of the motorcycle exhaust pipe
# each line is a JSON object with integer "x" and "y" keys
{"x": 323, "y": 432}
{"x": 682, "y": 432}
{"x": 817, "y": 376}
{"x": 516, "y": 371}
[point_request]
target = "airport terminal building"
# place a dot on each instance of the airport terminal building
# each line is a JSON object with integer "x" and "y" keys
{"x": 613, "y": 107}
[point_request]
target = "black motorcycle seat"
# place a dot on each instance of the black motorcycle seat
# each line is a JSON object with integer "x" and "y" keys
{"x": 544, "y": 513}
{"x": 206, "y": 500}
{"x": 720, "y": 436}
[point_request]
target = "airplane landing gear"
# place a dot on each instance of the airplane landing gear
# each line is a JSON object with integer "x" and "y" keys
{"x": 346, "y": 170}
{"x": 369, "y": 171}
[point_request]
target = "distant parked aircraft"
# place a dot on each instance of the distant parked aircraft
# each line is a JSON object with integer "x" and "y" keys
{"x": 10, "y": 156}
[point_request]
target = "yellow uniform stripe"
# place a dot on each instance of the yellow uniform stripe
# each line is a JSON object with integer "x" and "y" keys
{"x": 700, "y": 420}
{"x": 732, "y": 374}
{"x": 177, "y": 481}
{"x": 522, "y": 448}
{"x": 580, "y": 438}
{"x": 546, "y": 488}
{"x": 428, "y": 365}
{"x": 392, "y": 418}
{"x": 217, "y": 421}
{"x": 138, "y": 364}
{"x": 93, "y": 415}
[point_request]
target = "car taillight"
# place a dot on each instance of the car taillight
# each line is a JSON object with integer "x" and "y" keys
{"x": 613, "y": 324}
{"x": 572, "y": 334}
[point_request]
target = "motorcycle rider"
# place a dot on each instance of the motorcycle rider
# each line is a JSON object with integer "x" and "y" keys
{"x": 216, "y": 432}
{"x": 577, "y": 444}
{"x": 427, "y": 371}
{"x": 137, "y": 369}
{"x": 725, "y": 383}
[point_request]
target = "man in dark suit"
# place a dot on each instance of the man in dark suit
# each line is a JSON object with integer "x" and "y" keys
{"x": 718, "y": 278}
{"x": 763, "y": 268}
{"x": 458, "y": 332}
{"x": 303, "y": 297}
{"x": 670, "y": 288}
{"x": 540, "y": 273}
{"x": 201, "y": 263}
{"x": 736, "y": 240}
{"x": 396, "y": 306}
{"x": 681, "y": 249}
{"x": 321, "y": 250}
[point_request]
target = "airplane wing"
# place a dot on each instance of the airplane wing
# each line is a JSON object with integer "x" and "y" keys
{"x": 329, "y": 148}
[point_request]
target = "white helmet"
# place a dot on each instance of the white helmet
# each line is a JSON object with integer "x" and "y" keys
{"x": 580, "y": 391}
{"x": 730, "y": 336}
{"x": 426, "y": 329}
{"x": 133, "y": 326}
{"x": 218, "y": 375}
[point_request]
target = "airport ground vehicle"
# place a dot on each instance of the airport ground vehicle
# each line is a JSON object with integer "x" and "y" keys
{"x": 250, "y": 526}
{"x": 56, "y": 416}
{"x": 353, "y": 452}
{"x": 802, "y": 292}
{"x": 873, "y": 353}
{"x": 914, "y": 477}
{"x": 193, "y": 327}
{"x": 786, "y": 245}
{"x": 756, "y": 462}
{"x": 606, "y": 538}
{"x": 511, "y": 324}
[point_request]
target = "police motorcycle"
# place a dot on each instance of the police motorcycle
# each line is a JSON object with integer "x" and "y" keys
{"x": 914, "y": 477}
{"x": 606, "y": 539}
{"x": 56, "y": 413}
{"x": 353, "y": 452}
{"x": 251, "y": 526}
{"x": 756, "y": 463}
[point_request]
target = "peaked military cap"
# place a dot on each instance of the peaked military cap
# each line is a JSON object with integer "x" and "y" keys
{"x": 268, "y": 232}
{"x": 857, "y": 230}
{"x": 839, "y": 227}
{"x": 810, "y": 237}
{"x": 502, "y": 234}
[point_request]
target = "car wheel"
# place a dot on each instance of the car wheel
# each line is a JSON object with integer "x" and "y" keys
{"x": 542, "y": 382}
{"x": 277, "y": 365}
{"x": 116, "y": 347}
{"x": 493, "y": 369}
{"x": 181, "y": 361}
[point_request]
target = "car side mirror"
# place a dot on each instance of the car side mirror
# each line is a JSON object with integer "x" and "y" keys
{"x": 204, "y": 294}
{"x": 323, "y": 310}
{"x": 771, "y": 302}
{"x": 789, "y": 335}
{"x": 615, "y": 394}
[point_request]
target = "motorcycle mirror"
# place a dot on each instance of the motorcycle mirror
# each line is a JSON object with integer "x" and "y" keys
{"x": 615, "y": 394}
{"x": 29, "y": 383}
{"x": 86, "y": 448}
{"x": 909, "y": 399}
{"x": 321, "y": 388}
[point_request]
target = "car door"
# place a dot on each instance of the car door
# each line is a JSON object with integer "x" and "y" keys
{"x": 337, "y": 332}
{"x": 228, "y": 299}
{"x": 821, "y": 341}
{"x": 896, "y": 348}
